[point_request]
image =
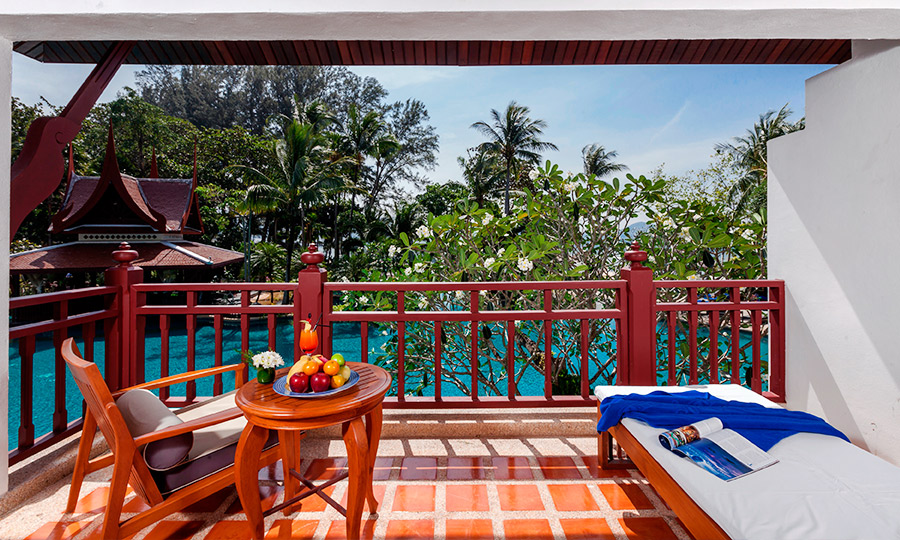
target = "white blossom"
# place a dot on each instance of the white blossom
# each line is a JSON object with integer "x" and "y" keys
{"x": 487, "y": 219}
{"x": 363, "y": 299}
{"x": 693, "y": 277}
{"x": 460, "y": 295}
{"x": 383, "y": 333}
{"x": 524, "y": 264}
{"x": 533, "y": 174}
{"x": 482, "y": 293}
{"x": 419, "y": 268}
{"x": 423, "y": 231}
{"x": 423, "y": 303}
{"x": 267, "y": 360}
{"x": 501, "y": 252}
{"x": 488, "y": 262}
{"x": 393, "y": 250}
{"x": 697, "y": 217}
{"x": 407, "y": 270}
{"x": 569, "y": 187}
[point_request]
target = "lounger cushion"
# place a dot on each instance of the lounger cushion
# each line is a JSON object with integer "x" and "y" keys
{"x": 144, "y": 413}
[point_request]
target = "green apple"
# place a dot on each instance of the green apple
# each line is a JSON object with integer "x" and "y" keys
{"x": 345, "y": 372}
{"x": 339, "y": 358}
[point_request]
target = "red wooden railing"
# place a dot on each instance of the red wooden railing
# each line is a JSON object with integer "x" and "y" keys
{"x": 730, "y": 310}
{"x": 636, "y": 315}
{"x": 70, "y": 309}
{"x": 474, "y": 316}
{"x": 140, "y": 311}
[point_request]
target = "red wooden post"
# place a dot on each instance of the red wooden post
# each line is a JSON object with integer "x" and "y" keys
{"x": 310, "y": 287}
{"x": 776, "y": 341}
{"x": 118, "y": 343}
{"x": 641, "y": 314}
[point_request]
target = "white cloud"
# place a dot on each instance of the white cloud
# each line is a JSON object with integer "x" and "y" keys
{"x": 674, "y": 120}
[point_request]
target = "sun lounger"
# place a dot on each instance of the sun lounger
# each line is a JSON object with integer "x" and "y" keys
{"x": 822, "y": 488}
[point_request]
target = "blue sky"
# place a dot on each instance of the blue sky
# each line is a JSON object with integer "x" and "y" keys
{"x": 652, "y": 115}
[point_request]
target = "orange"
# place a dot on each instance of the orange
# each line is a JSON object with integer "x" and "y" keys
{"x": 337, "y": 381}
{"x": 311, "y": 368}
{"x": 331, "y": 367}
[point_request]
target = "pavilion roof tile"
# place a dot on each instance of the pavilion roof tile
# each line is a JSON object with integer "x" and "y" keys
{"x": 80, "y": 256}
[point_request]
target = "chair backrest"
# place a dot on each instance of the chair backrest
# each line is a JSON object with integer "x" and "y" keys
{"x": 93, "y": 388}
{"x": 98, "y": 399}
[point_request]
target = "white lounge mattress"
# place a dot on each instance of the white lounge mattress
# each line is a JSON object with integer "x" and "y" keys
{"x": 824, "y": 488}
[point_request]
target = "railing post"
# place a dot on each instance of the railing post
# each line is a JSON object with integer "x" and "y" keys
{"x": 120, "y": 370}
{"x": 310, "y": 287}
{"x": 641, "y": 313}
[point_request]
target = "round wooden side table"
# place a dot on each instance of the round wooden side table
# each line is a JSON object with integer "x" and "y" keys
{"x": 266, "y": 410}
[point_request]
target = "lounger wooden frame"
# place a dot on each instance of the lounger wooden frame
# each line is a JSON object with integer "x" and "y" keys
{"x": 697, "y": 521}
{"x": 128, "y": 464}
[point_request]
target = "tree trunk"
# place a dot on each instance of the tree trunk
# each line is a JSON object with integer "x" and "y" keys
{"x": 506, "y": 201}
{"x": 290, "y": 247}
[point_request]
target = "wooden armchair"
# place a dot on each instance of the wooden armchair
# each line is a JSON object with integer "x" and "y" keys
{"x": 166, "y": 491}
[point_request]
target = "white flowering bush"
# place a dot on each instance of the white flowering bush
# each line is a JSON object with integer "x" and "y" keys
{"x": 267, "y": 360}
{"x": 575, "y": 228}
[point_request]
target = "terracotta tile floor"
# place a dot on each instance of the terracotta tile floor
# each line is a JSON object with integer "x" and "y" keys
{"x": 437, "y": 496}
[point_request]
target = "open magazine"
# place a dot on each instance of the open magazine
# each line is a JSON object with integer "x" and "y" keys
{"x": 720, "y": 451}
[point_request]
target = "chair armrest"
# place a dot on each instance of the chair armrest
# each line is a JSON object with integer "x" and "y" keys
{"x": 184, "y": 377}
{"x": 192, "y": 425}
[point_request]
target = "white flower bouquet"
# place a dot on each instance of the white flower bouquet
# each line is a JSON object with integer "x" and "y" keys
{"x": 265, "y": 364}
{"x": 267, "y": 360}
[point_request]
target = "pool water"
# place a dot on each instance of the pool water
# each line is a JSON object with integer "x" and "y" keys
{"x": 345, "y": 340}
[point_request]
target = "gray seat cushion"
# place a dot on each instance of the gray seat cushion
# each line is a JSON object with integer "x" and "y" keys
{"x": 200, "y": 467}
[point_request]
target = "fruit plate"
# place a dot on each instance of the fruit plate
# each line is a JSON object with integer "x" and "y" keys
{"x": 281, "y": 387}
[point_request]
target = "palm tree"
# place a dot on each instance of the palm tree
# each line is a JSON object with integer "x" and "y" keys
{"x": 362, "y": 136}
{"x": 482, "y": 173}
{"x": 306, "y": 173}
{"x": 749, "y": 153}
{"x": 515, "y": 139}
{"x": 599, "y": 161}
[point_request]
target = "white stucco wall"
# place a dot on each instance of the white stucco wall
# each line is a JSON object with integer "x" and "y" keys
{"x": 5, "y": 144}
{"x": 834, "y": 237}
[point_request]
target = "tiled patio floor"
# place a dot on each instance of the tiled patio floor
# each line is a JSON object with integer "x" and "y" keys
{"x": 532, "y": 488}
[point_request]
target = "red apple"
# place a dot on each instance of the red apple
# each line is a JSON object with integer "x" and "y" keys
{"x": 320, "y": 382}
{"x": 299, "y": 382}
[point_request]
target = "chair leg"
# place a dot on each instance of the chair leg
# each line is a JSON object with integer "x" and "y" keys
{"x": 117, "y": 489}
{"x": 88, "y": 431}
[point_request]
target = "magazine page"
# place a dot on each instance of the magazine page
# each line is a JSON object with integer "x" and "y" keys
{"x": 723, "y": 452}
{"x": 685, "y": 435}
{"x": 743, "y": 450}
{"x": 714, "y": 459}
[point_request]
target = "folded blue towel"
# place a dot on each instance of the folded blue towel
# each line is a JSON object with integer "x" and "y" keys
{"x": 760, "y": 425}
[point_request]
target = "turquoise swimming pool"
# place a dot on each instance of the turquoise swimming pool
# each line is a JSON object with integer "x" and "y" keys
{"x": 346, "y": 340}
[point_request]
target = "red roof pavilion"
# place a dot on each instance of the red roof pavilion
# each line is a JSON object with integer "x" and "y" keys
{"x": 152, "y": 214}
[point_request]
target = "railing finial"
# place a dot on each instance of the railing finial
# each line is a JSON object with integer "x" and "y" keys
{"x": 313, "y": 257}
{"x": 124, "y": 255}
{"x": 635, "y": 255}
